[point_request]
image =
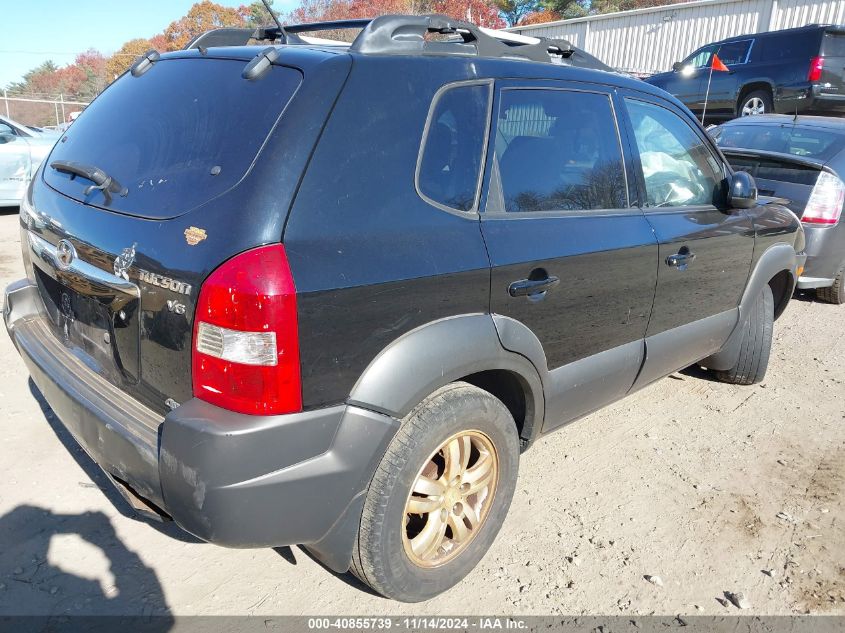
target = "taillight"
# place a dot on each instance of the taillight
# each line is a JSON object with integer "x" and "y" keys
{"x": 826, "y": 199}
{"x": 816, "y": 66}
{"x": 246, "y": 347}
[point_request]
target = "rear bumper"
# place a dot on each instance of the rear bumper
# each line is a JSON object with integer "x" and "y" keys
{"x": 231, "y": 479}
{"x": 825, "y": 255}
{"x": 822, "y": 103}
{"x": 807, "y": 98}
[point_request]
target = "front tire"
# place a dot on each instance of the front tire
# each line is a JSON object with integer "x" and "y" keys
{"x": 439, "y": 495}
{"x": 756, "y": 343}
{"x": 757, "y": 102}
{"x": 836, "y": 293}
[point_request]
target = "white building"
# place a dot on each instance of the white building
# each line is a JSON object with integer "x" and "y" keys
{"x": 645, "y": 41}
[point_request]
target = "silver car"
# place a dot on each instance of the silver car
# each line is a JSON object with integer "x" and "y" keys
{"x": 21, "y": 152}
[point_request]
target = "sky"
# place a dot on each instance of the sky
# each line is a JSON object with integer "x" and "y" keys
{"x": 37, "y": 30}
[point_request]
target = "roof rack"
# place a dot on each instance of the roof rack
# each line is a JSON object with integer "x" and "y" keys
{"x": 287, "y": 34}
{"x": 413, "y": 34}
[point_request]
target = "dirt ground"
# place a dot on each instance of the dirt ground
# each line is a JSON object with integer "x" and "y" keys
{"x": 710, "y": 487}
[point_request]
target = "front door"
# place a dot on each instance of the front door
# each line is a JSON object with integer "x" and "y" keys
{"x": 705, "y": 249}
{"x": 573, "y": 257}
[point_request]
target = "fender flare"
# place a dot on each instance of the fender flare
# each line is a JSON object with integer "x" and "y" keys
{"x": 775, "y": 259}
{"x": 437, "y": 353}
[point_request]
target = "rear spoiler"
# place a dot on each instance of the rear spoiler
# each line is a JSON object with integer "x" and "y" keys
{"x": 780, "y": 157}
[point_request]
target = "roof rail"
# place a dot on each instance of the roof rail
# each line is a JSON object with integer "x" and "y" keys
{"x": 412, "y": 34}
{"x": 409, "y": 34}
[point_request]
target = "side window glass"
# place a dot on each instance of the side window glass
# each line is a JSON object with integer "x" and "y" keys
{"x": 449, "y": 169}
{"x": 558, "y": 150}
{"x": 734, "y": 52}
{"x": 699, "y": 59}
{"x": 678, "y": 168}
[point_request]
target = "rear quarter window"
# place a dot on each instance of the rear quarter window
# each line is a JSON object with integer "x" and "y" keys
{"x": 177, "y": 136}
{"x": 449, "y": 169}
{"x": 787, "y": 46}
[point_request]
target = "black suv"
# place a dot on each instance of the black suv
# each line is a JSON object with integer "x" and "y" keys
{"x": 791, "y": 71}
{"x": 327, "y": 295}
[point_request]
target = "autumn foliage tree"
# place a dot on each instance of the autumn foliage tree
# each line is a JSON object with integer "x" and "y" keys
{"x": 118, "y": 63}
{"x": 201, "y": 17}
{"x": 480, "y": 12}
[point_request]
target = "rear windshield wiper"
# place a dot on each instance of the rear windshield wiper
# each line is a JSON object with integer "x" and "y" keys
{"x": 101, "y": 179}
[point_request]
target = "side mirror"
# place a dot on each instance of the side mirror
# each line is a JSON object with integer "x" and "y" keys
{"x": 6, "y": 138}
{"x": 742, "y": 191}
{"x": 677, "y": 67}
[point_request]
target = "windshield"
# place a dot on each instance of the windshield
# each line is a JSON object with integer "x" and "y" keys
{"x": 177, "y": 136}
{"x": 818, "y": 143}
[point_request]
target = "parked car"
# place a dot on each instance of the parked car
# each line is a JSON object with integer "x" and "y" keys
{"x": 791, "y": 71}
{"x": 21, "y": 152}
{"x": 801, "y": 159}
{"x": 338, "y": 311}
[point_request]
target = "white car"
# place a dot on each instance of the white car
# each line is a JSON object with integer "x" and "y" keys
{"x": 21, "y": 152}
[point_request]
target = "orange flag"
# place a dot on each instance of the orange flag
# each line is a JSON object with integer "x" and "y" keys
{"x": 718, "y": 65}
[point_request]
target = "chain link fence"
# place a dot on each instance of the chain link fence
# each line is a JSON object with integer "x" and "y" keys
{"x": 39, "y": 110}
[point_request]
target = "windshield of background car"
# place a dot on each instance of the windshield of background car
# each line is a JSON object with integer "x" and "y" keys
{"x": 177, "y": 136}
{"x": 818, "y": 143}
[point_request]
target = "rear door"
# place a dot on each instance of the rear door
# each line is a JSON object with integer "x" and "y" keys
{"x": 573, "y": 257}
{"x": 705, "y": 249}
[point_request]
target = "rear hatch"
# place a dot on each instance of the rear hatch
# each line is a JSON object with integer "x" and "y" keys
{"x": 207, "y": 164}
{"x": 832, "y": 77}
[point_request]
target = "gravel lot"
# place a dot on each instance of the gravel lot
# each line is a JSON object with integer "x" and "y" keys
{"x": 710, "y": 487}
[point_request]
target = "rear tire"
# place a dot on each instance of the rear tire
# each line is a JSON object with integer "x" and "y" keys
{"x": 756, "y": 343}
{"x": 836, "y": 293}
{"x": 756, "y": 102}
{"x": 392, "y": 555}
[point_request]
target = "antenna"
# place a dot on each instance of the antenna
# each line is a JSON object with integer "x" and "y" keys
{"x": 273, "y": 15}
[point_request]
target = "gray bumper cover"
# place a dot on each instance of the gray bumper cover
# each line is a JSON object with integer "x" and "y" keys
{"x": 231, "y": 479}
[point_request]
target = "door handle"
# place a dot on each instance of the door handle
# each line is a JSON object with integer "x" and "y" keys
{"x": 681, "y": 260}
{"x": 531, "y": 287}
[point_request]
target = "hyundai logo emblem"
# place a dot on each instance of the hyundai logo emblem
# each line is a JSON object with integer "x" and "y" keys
{"x": 65, "y": 253}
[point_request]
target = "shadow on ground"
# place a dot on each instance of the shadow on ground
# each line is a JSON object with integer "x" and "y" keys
{"x": 35, "y": 585}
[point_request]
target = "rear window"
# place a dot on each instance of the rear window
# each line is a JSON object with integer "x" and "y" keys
{"x": 833, "y": 45}
{"x": 821, "y": 144}
{"x": 177, "y": 136}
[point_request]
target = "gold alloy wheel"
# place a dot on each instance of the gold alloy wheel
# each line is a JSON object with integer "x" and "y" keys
{"x": 450, "y": 499}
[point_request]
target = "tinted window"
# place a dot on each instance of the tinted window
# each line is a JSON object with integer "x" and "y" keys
{"x": 795, "y": 45}
{"x": 734, "y": 52}
{"x": 678, "y": 168}
{"x": 558, "y": 150}
{"x": 811, "y": 142}
{"x": 161, "y": 134}
{"x": 451, "y": 160}
{"x": 833, "y": 45}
